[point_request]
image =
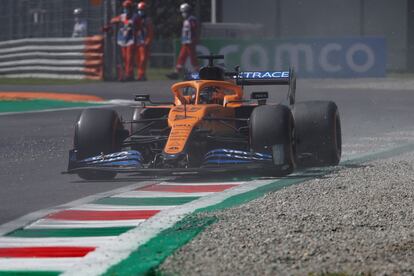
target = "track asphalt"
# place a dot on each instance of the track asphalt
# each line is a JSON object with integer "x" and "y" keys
{"x": 34, "y": 146}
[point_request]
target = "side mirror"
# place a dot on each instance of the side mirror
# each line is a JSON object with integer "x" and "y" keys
{"x": 145, "y": 98}
{"x": 142, "y": 98}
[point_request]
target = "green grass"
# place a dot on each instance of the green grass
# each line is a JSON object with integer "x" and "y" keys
{"x": 39, "y": 104}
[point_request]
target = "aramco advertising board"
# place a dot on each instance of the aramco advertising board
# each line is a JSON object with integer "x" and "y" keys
{"x": 348, "y": 57}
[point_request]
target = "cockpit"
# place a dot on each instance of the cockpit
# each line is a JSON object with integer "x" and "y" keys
{"x": 206, "y": 92}
{"x": 211, "y": 86}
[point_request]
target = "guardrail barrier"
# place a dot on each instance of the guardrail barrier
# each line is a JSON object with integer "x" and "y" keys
{"x": 63, "y": 58}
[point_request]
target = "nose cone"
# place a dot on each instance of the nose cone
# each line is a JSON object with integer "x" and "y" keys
{"x": 179, "y": 135}
{"x": 182, "y": 120}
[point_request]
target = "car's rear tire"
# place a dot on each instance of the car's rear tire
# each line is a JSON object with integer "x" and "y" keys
{"x": 318, "y": 133}
{"x": 97, "y": 131}
{"x": 272, "y": 131}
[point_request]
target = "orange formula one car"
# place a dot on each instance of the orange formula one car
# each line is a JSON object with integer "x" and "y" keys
{"x": 208, "y": 128}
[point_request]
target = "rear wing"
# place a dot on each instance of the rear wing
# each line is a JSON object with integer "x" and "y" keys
{"x": 250, "y": 77}
{"x": 269, "y": 78}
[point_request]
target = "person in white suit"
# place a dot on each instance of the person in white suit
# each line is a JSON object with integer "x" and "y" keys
{"x": 80, "y": 29}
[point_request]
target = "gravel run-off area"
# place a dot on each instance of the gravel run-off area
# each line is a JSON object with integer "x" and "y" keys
{"x": 358, "y": 220}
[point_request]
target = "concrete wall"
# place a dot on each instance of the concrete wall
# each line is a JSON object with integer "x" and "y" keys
{"x": 389, "y": 18}
{"x": 328, "y": 18}
{"x": 241, "y": 11}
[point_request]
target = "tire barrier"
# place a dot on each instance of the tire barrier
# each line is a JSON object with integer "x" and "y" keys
{"x": 60, "y": 58}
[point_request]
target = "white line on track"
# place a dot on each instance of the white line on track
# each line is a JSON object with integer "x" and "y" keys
{"x": 122, "y": 102}
{"x": 55, "y": 110}
{"x": 103, "y": 207}
{"x": 106, "y": 104}
{"x": 38, "y": 264}
{"x": 141, "y": 194}
{"x": 70, "y": 224}
{"x": 64, "y": 241}
{"x": 217, "y": 183}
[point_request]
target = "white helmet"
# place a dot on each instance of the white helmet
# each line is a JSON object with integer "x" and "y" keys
{"x": 77, "y": 11}
{"x": 185, "y": 8}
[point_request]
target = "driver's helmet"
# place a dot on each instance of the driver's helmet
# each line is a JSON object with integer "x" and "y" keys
{"x": 209, "y": 95}
{"x": 206, "y": 95}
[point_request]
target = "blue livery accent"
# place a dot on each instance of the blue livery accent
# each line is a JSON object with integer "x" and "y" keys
{"x": 193, "y": 76}
{"x": 263, "y": 75}
{"x": 130, "y": 158}
{"x": 239, "y": 152}
{"x": 230, "y": 156}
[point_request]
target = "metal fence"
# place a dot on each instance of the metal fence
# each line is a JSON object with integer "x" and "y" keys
{"x": 46, "y": 18}
{"x": 20, "y": 19}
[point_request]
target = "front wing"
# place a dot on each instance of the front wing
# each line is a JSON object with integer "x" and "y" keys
{"x": 215, "y": 161}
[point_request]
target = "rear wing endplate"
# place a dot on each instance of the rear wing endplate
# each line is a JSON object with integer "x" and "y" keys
{"x": 269, "y": 78}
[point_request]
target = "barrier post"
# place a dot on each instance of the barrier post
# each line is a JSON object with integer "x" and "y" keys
{"x": 109, "y": 64}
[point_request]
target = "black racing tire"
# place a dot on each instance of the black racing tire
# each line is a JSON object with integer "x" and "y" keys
{"x": 97, "y": 131}
{"x": 271, "y": 127}
{"x": 318, "y": 134}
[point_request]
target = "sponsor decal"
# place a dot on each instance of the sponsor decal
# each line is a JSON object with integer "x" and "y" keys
{"x": 341, "y": 57}
{"x": 264, "y": 75}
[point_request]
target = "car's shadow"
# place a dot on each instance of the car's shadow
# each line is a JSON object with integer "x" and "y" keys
{"x": 235, "y": 177}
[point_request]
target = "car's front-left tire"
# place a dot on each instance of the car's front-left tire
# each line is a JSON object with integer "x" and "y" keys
{"x": 97, "y": 131}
